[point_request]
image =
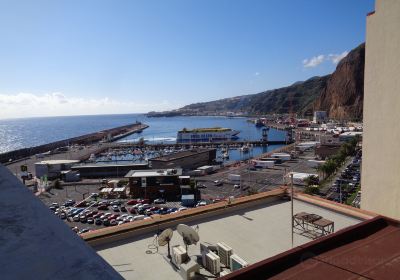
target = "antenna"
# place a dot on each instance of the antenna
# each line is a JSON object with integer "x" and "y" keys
{"x": 189, "y": 235}
{"x": 164, "y": 238}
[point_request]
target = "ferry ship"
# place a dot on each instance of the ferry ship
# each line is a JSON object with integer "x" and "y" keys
{"x": 215, "y": 134}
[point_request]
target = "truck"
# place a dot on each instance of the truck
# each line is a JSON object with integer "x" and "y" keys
{"x": 264, "y": 164}
{"x": 315, "y": 163}
{"x": 282, "y": 156}
{"x": 234, "y": 177}
{"x": 299, "y": 178}
{"x": 275, "y": 160}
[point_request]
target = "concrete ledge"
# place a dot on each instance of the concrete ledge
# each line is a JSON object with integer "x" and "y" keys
{"x": 337, "y": 207}
{"x": 129, "y": 230}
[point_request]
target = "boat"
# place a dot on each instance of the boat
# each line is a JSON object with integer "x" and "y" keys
{"x": 245, "y": 148}
{"x": 199, "y": 135}
{"x": 259, "y": 123}
{"x": 225, "y": 155}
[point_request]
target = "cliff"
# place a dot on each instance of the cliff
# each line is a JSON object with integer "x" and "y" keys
{"x": 343, "y": 95}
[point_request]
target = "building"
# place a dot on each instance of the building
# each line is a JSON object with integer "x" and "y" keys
{"x": 187, "y": 160}
{"x": 255, "y": 227}
{"x": 106, "y": 170}
{"x": 380, "y": 179}
{"x": 320, "y": 117}
{"x": 155, "y": 183}
{"x": 52, "y": 168}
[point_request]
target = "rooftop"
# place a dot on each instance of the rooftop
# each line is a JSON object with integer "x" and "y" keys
{"x": 369, "y": 250}
{"x": 58, "y": 161}
{"x": 182, "y": 154}
{"x": 153, "y": 173}
{"x": 255, "y": 233}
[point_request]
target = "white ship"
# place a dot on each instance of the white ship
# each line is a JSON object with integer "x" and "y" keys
{"x": 215, "y": 134}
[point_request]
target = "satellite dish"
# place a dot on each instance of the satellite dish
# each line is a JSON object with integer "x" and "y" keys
{"x": 189, "y": 235}
{"x": 164, "y": 238}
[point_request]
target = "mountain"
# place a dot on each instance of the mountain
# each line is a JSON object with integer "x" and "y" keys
{"x": 343, "y": 95}
{"x": 297, "y": 97}
{"x": 340, "y": 94}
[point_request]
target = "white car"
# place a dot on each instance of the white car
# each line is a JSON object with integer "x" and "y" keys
{"x": 136, "y": 206}
{"x": 182, "y": 209}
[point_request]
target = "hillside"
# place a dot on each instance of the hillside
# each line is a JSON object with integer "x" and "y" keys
{"x": 340, "y": 94}
{"x": 343, "y": 95}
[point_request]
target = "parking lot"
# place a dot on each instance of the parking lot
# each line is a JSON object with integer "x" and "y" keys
{"x": 252, "y": 179}
{"x": 96, "y": 212}
{"x": 346, "y": 187}
{"x": 99, "y": 212}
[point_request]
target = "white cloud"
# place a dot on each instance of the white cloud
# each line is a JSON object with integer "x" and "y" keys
{"x": 314, "y": 61}
{"x": 58, "y": 104}
{"x": 335, "y": 58}
{"x": 257, "y": 74}
{"x": 317, "y": 60}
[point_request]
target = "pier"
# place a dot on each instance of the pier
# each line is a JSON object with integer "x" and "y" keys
{"x": 236, "y": 144}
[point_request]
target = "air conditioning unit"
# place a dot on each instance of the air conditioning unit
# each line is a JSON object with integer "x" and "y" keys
{"x": 179, "y": 255}
{"x": 224, "y": 252}
{"x": 237, "y": 263}
{"x": 213, "y": 263}
{"x": 224, "y": 273}
{"x": 204, "y": 251}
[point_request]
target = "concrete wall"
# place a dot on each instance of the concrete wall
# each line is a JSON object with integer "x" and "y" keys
{"x": 381, "y": 153}
{"x": 35, "y": 244}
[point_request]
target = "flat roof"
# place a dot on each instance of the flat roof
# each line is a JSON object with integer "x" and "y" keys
{"x": 181, "y": 154}
{"x": 152, "y": 173}
{"x": 369, "y": 250}
{"x": 254, "y": 233}
{"x": 57, "y": 161}
{"x": 79, "y": 166}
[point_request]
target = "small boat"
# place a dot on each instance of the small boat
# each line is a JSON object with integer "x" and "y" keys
{"x": 244, "y": 149}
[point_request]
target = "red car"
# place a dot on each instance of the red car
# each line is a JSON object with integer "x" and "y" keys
{"x": 97, "y": 215}
{"x": 113, "y": 217}
{"x": 132, "y": 202}
{"x": 143, "y": 201}
{"x": 102, "y": 207}
{"x": 132, "y": 210}
{"x": 92, "y": 213}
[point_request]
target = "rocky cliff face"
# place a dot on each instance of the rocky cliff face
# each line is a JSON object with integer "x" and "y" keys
{"x": 343, "y": 95}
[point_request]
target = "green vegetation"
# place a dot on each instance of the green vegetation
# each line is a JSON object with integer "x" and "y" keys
{"x": 351, "y": 198}
{"x": 336, "y": 161}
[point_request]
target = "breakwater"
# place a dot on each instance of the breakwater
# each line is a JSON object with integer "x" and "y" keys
{"x": 107, "y": 135}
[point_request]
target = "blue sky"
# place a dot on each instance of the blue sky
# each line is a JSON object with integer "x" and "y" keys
{"x": 120, "y": 56}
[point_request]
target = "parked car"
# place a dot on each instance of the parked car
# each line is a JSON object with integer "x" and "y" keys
{"x": 113, "y": 222}
{"x": 98, "y": 221}
{"x": 123, "y": 209}
{"x": 218, "y": 183}
{"x": 115, "y": 208}
{"x": 159, "y": 201}
{"x": 102, "y": 207}
{"x": 90, "y": 221}
{"x": 132, "y": 202}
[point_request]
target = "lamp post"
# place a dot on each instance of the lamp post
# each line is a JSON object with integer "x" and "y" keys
{"x": 291, "y": 201}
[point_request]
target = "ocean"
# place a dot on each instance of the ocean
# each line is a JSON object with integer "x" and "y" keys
{"x": 27, "y": 132}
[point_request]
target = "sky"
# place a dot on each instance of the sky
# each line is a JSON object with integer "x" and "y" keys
{"x": 79, "y": 57}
